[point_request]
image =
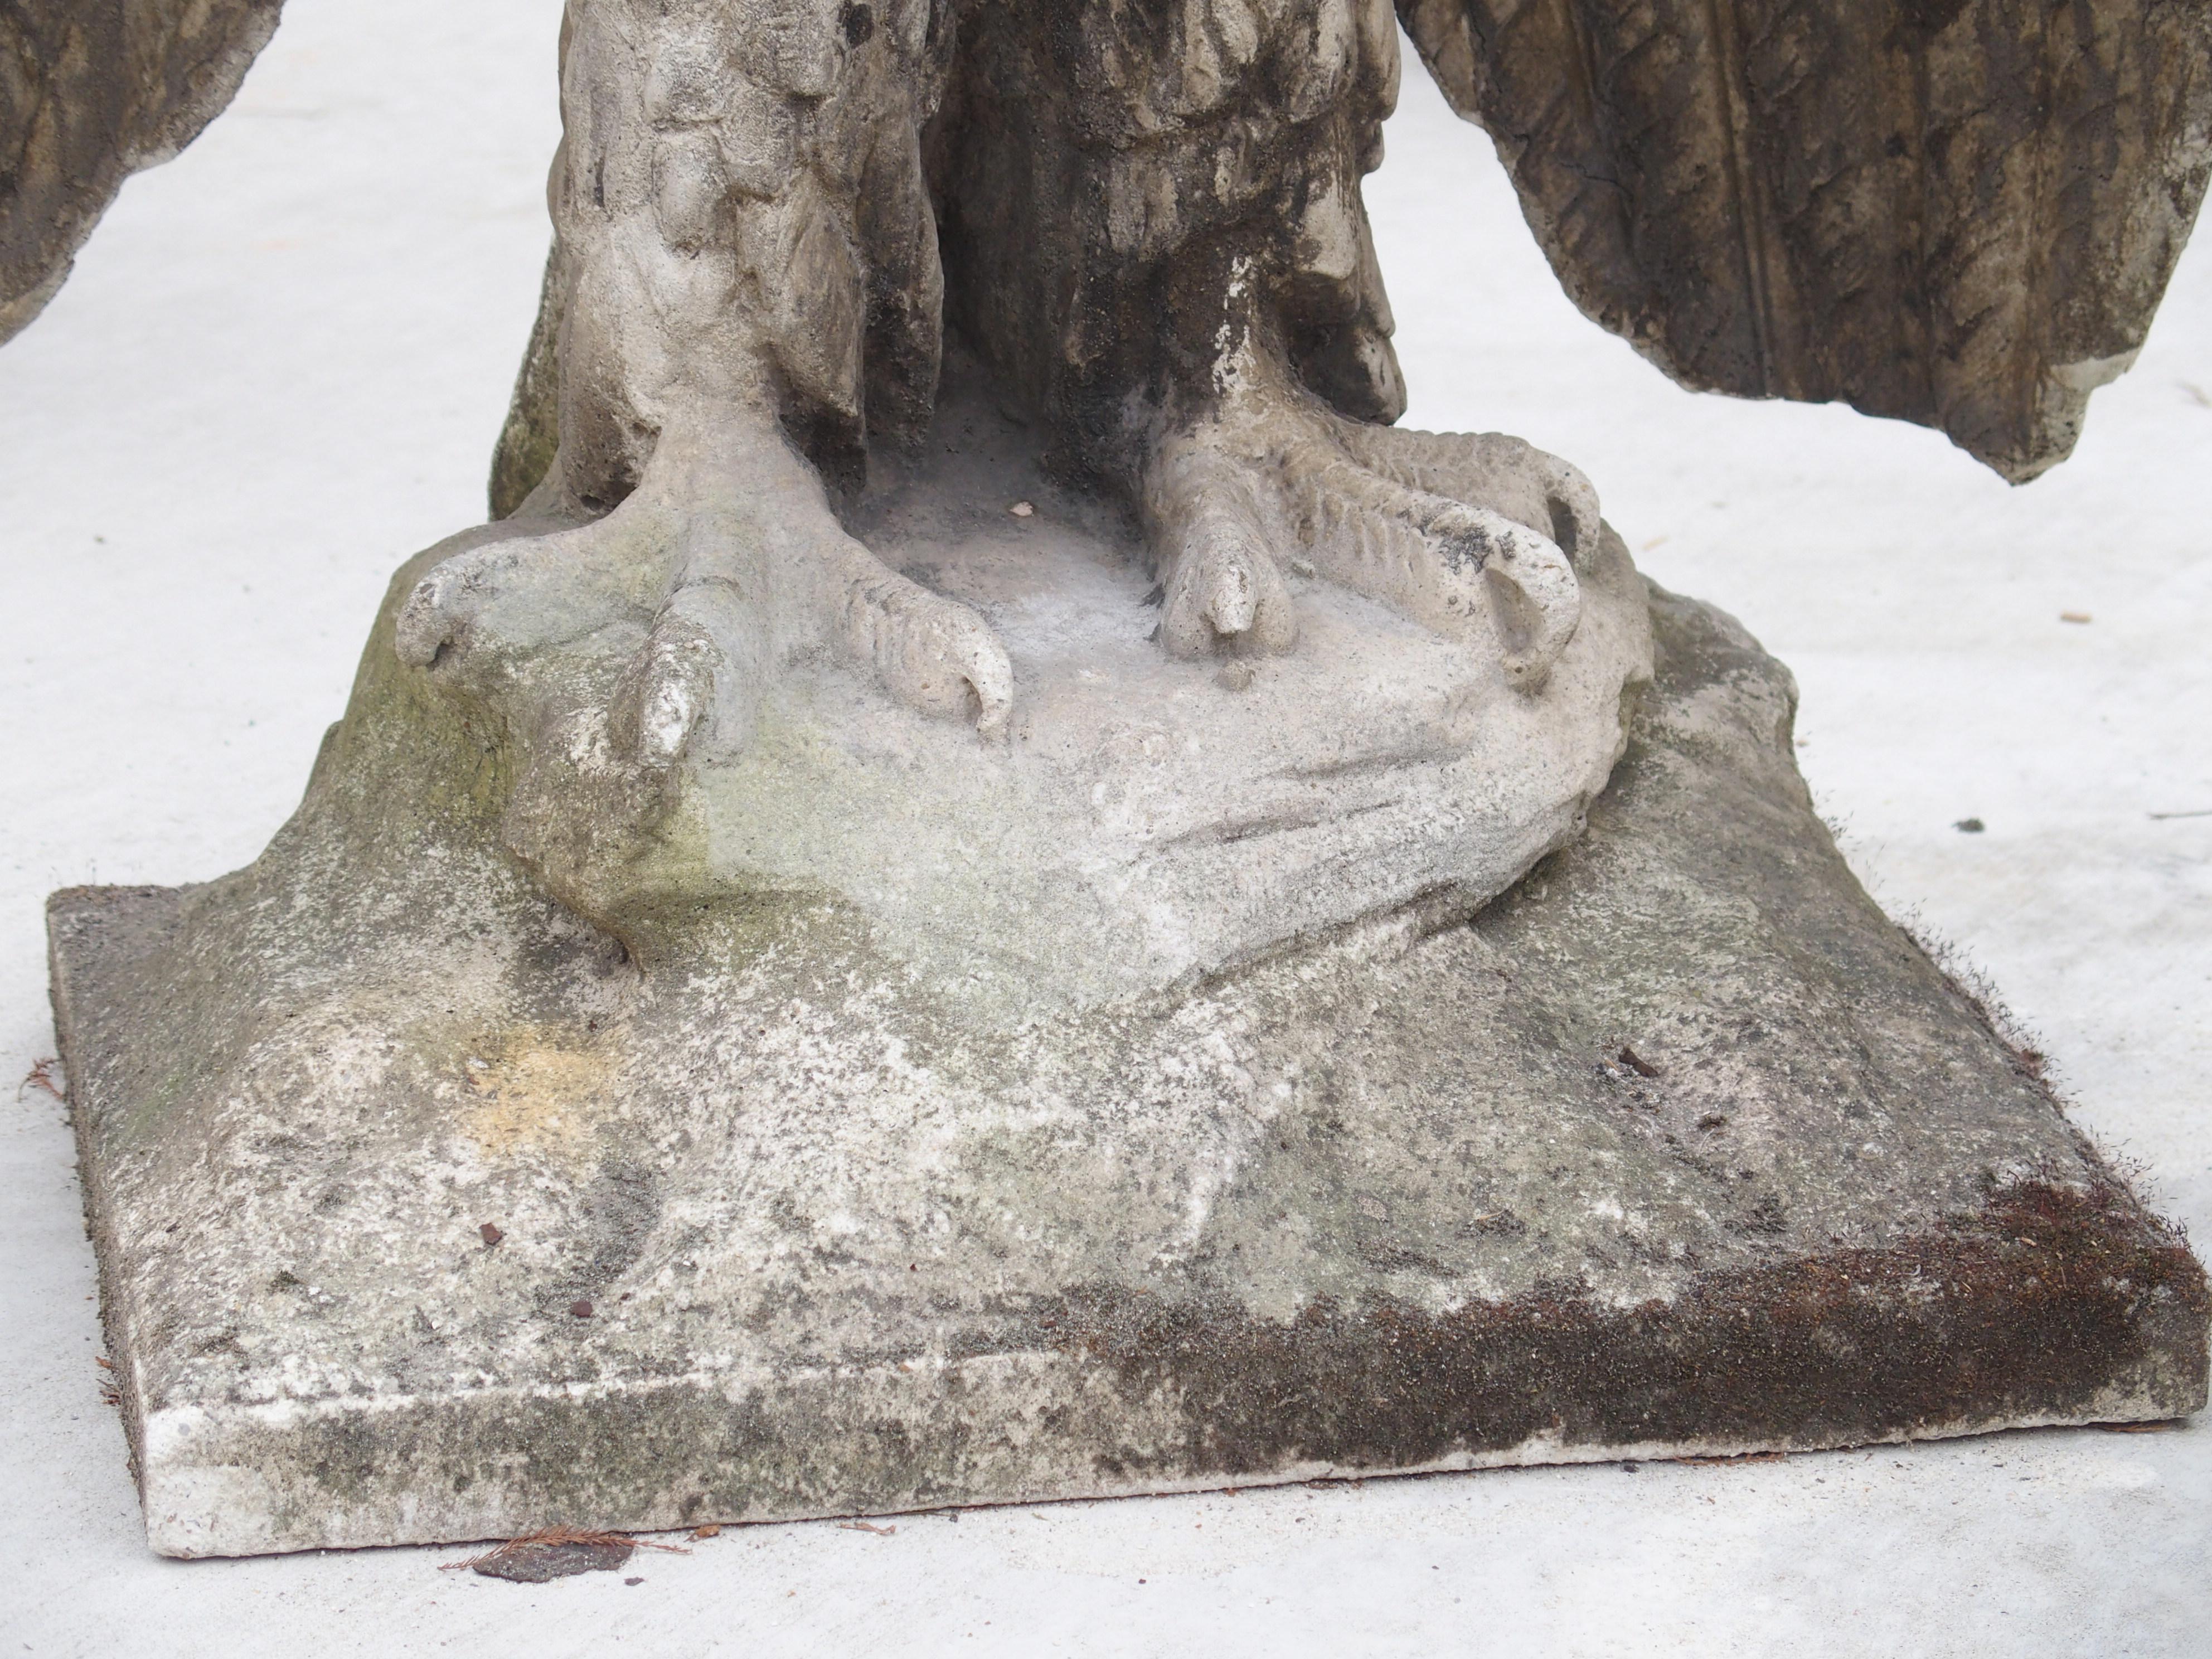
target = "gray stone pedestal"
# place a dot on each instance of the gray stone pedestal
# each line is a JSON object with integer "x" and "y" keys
{"x": 427, "y": 1214}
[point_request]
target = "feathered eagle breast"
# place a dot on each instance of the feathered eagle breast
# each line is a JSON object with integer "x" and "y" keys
{"x": 1961, "y": 213}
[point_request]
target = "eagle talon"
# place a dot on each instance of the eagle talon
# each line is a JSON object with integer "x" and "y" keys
{"x": 729, "y": 557}
{"x": 1471, "y": 535}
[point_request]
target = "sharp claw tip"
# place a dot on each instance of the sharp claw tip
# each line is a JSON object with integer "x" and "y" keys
{"x": 666, "y": 727}
{"x": 417, "y": 648}
{"x": 420, "y": 633}
{"x": 993, "y": 704}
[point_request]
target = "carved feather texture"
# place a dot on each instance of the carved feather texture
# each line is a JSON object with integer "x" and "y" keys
{"x": 90, "y": 91}
{"x": 1958, "y": 212}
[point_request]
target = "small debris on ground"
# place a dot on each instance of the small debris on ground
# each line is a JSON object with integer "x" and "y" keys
{"x": 1970, "y": 826}
{"x": 554, "y": 1552}
{"x": 491, "y": 1234}
{"x": 1637, "y": 1063}
{"x": 1023, "y": 509}
{"x": 633, "y": 1581}
{"x": 1730, "y": 1463}
{"x": 2165, "y": 1426}
{"x": 2073, "y": 616}
{"x": 580, "y": 1308}
{"x": 42, "y": 1076}
{"x": 863, "y": 1525}
{"x": 712, "y": 1529}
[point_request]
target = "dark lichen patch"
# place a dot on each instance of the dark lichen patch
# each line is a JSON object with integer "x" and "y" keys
{"x": 2046, "y": 1301}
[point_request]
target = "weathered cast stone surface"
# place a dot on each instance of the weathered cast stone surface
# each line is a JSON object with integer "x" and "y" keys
{"x": 89, "y": 94}
{"x": 1179, "y": 815}
{"x": 793, "y": 993}
{"x": 426, "y": 1212}
{"x": 1143, "y": 223}
{"x": 1957, "y": 212}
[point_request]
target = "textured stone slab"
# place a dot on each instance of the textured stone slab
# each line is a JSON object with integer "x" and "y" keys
{"x": 1681, "y": 1146}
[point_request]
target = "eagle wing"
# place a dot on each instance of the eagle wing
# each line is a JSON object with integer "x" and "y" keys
{"x": 1957, "y": 212}
{"x": 90, "y": 91}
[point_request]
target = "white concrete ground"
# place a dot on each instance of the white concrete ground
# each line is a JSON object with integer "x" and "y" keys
{"x": 278, "y": 370}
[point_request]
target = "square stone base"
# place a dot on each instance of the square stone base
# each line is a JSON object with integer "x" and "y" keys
{"x": 443, "y": 1222}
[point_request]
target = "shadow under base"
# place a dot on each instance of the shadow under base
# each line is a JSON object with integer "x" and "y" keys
{"x": 459, "y": 1224}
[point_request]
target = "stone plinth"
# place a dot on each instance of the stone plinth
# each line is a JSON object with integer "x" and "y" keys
{"x": 1680, "y": 1147}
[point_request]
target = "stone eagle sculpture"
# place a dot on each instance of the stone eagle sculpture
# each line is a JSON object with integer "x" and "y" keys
{"x": 1376, "y": 998}
{"x": 1144, "y": 218}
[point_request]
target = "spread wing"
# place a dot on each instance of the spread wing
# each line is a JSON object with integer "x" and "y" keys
{"x": 1957, "y": 212}
{"x": 90, "y": 91}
